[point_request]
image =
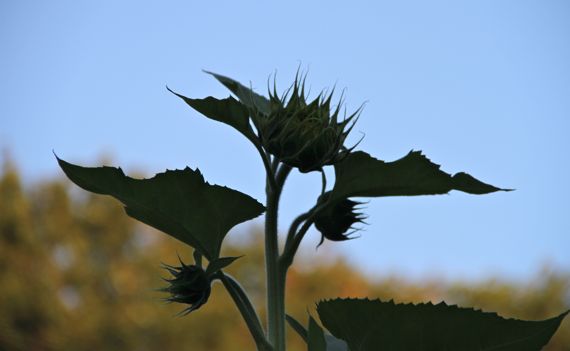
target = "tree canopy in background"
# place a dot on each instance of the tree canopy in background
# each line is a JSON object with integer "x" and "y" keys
{"x": 77, "y": 274}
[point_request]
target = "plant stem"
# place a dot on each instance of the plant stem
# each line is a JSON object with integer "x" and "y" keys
{"x": 289, "y": 254}
{"x": 324, "y": 182}
{"x": 247, "y": 311}
{"x": 271, "y": 268}
{"x": 293, "y": 229}
{"x": 266, "y": 163}
{"x": 274, "y": 276}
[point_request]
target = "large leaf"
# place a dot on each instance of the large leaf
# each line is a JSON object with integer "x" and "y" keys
{"x": 361, "y": 175}
{"x": 180, "y": 203}
{"x": 246, "y": 95}
{"x": 372, "y": 325}
{"x": 228, "y": 111}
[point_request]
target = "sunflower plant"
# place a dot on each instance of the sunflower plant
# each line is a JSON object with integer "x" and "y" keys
{"x": 292, "y": 132}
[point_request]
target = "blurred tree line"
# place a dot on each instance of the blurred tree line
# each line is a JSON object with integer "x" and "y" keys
{"x": 77, "y": 274}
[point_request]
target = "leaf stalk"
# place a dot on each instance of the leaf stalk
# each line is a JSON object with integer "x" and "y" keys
{"x": 247, "y": 311}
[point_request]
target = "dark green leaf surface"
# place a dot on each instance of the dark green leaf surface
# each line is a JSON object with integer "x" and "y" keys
{"x": 373, "y": 325}
{"x": 361, "y": 175}
{"x": 228, "y": 111}
{"x": 180, "y": 203}
{"x": 246, "y": 95}
{"x": 316, "y": 337}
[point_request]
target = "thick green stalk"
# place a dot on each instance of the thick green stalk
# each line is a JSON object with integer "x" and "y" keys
{"x": 275, "y": 279}
{"x": 271, "y": 268}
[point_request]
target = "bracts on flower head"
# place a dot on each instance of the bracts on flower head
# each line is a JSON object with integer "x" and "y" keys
{"x": 303, "y": 134}
{"x": 336, "y": 220}
{"x": 189, "y": 285}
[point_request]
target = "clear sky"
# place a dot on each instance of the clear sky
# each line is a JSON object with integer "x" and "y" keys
{"x": 479, "y": 86}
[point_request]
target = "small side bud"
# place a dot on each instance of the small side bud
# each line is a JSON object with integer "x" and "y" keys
{"x": 189, "y": 285}
{"x": 335, "y": 221}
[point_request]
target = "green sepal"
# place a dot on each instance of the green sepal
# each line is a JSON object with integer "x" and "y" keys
{"x": 361, "y": 175}
{"x": 180, "y": 203}
{"x": 366, "y": 324}
{"x": 197, "y": 258}
{"x": 246, "y": 95}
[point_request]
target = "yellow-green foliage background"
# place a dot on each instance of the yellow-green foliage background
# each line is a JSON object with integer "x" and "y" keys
{"x": 77, "y": 274}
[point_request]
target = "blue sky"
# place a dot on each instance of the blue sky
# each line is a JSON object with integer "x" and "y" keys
{"x": 479, "y": 86}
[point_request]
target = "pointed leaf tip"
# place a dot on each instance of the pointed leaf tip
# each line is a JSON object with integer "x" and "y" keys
{"x": 361, "y": 175}
{"x": 469, "y": 184}
{"x": 228, "y": 111}
{"x": 246, "y": 96}
{"x": 220, "y": 263}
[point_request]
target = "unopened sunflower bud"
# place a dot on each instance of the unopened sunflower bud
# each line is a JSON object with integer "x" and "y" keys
{"x": 302, "y": 134}
{"x": 337, "y": 219}
{"x": 189, "y": 285}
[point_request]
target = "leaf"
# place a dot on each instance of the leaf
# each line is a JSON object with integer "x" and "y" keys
{"x": 246, "y": 95}
{"x": 365, "y": 325}
{"x": 180, "y": 203}
{"x": 361, "y": 175}
{"x": 219, "y": 263}
{"x": 228, "y": 111}
{"x": 333, "y": 344}
{"x": 316, "y": 337}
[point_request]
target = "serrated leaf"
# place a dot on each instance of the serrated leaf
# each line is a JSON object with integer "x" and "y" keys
{"x": 361, "y": 175}
{"x": 315, "y": 337}
{"x": 228, "y": 111}
{"x": 369, "y": 325}
{"x": 180, "y": 203}
{"x": 219, "y": 263}
{"x": 246, "y": 95}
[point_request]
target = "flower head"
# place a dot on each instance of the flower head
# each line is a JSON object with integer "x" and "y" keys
{"x": 189, "y": 285}
{"x": 302, "y": 134}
